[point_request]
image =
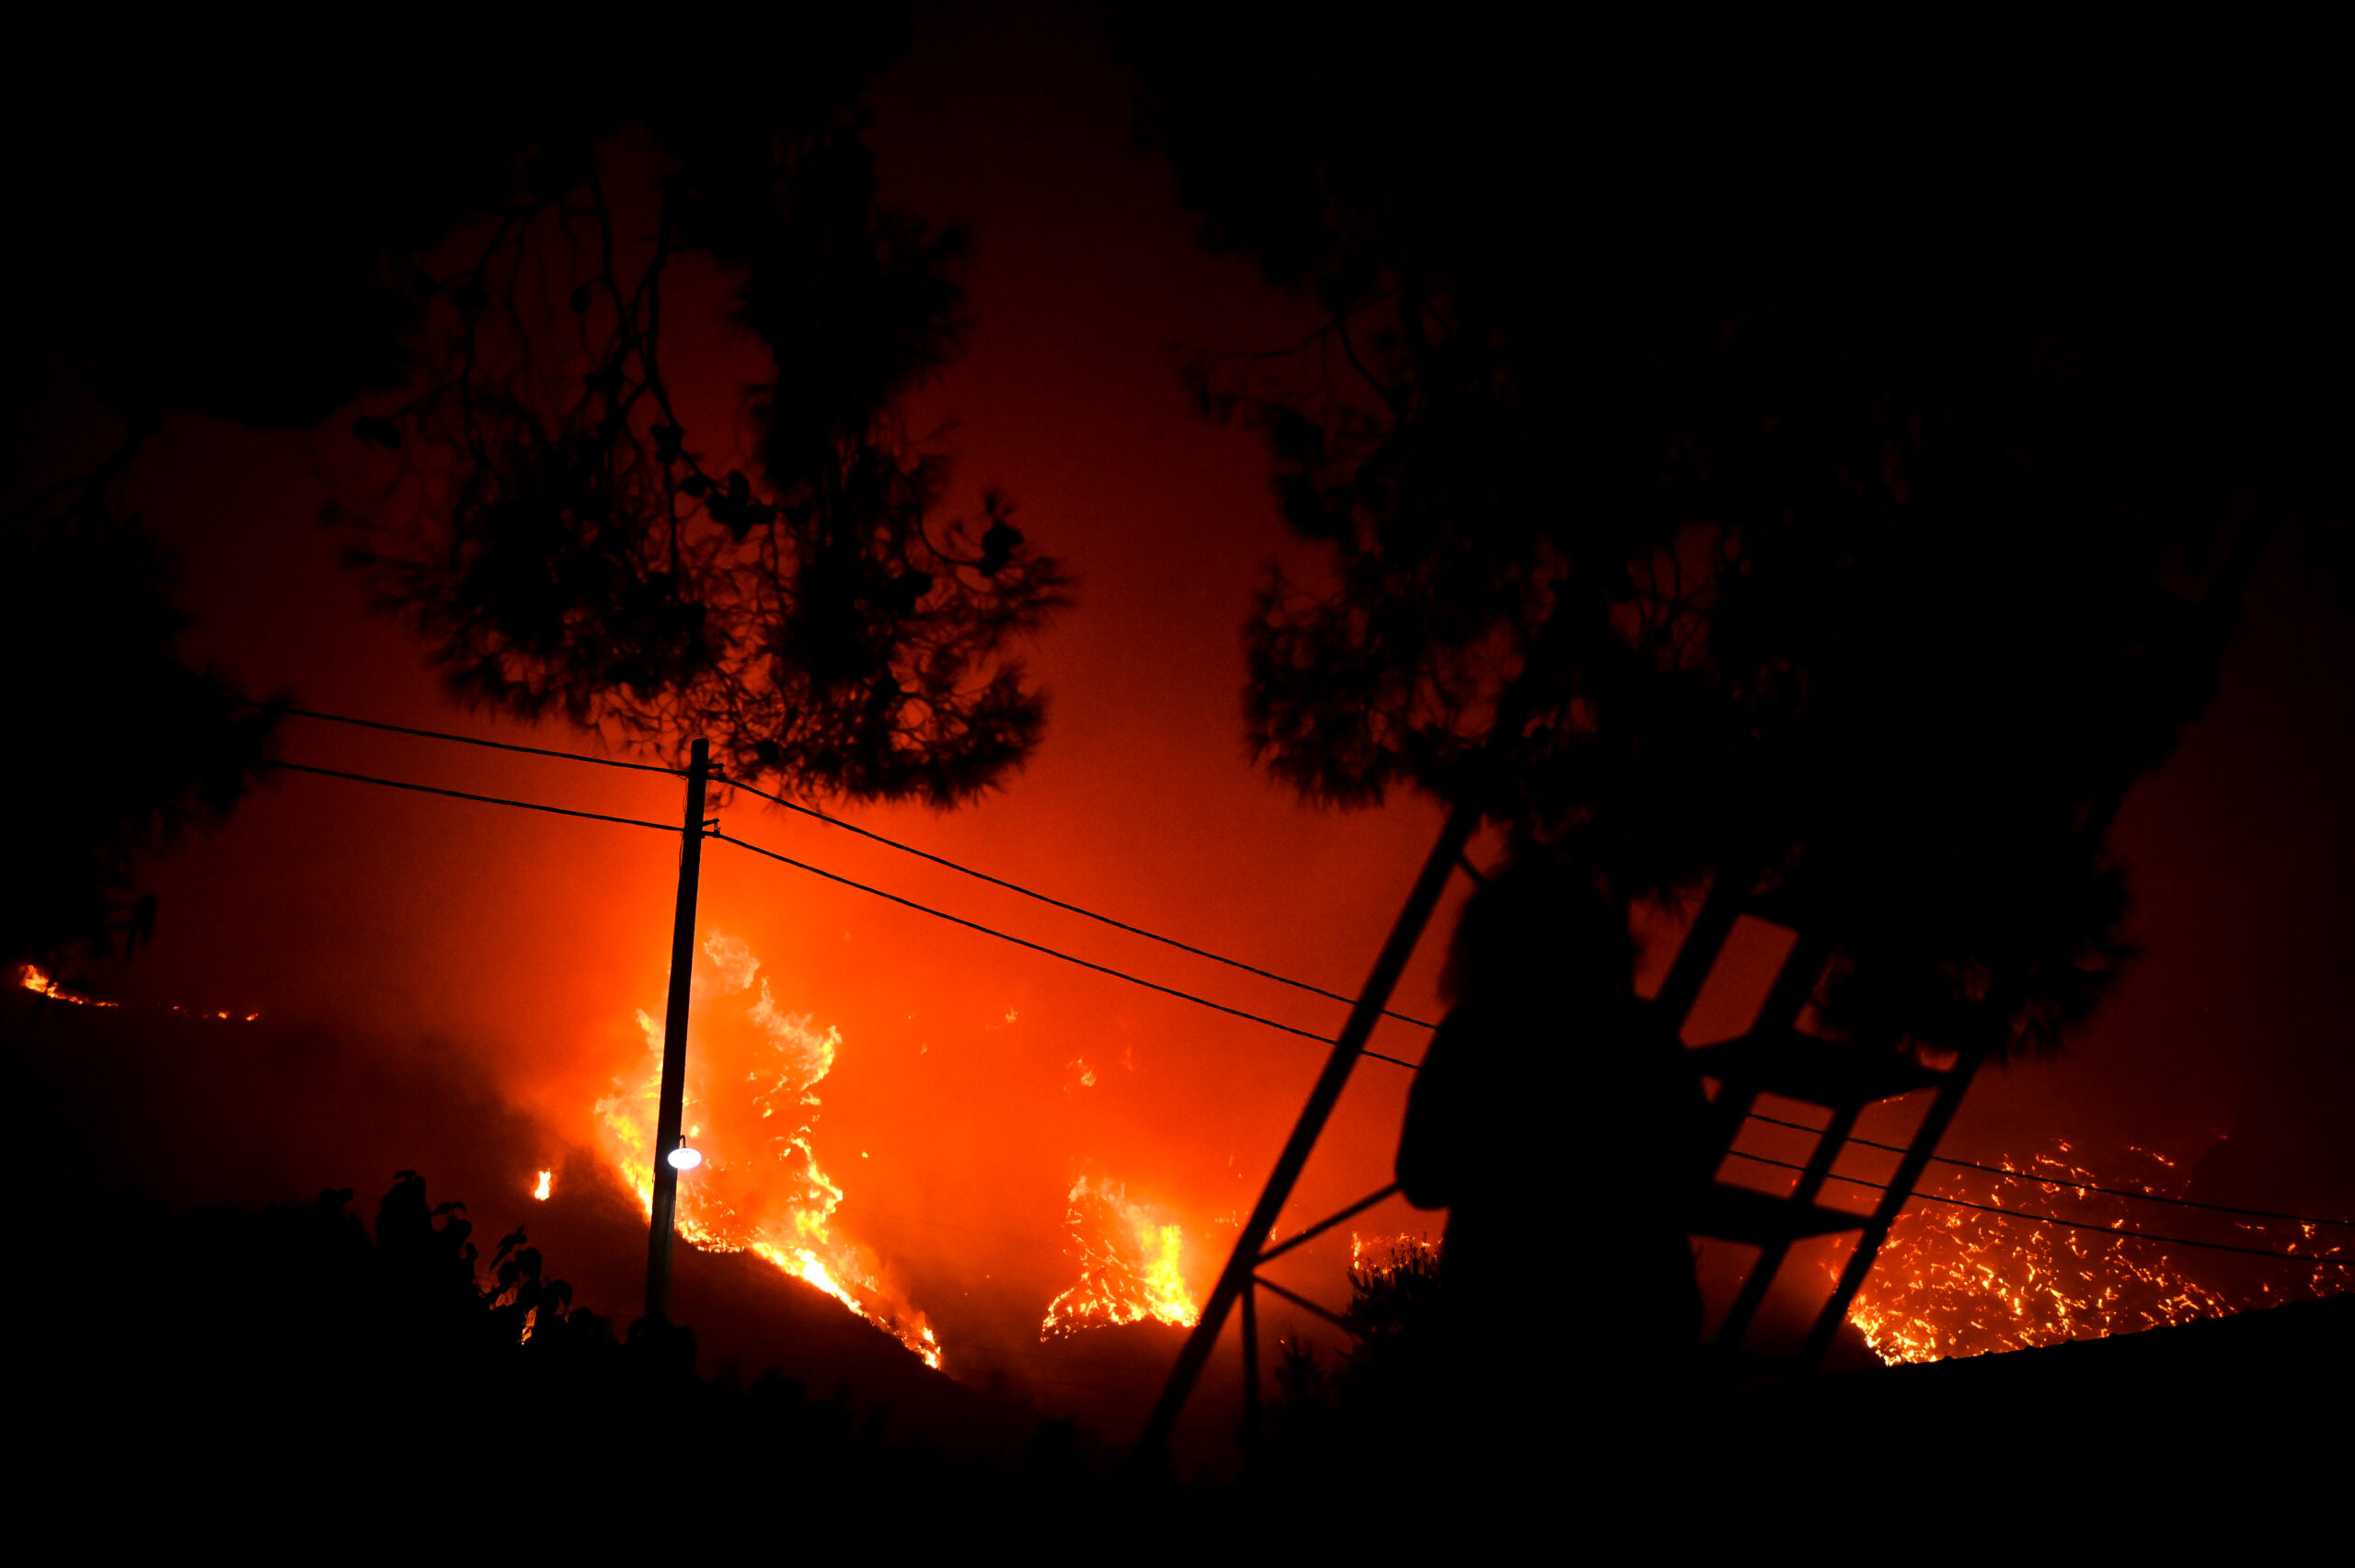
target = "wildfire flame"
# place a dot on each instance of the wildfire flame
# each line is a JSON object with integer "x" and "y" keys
{"x": 39, "y": 981}
{"x": 1375, "y": 1255}
{"x": 760, "y": 1188}
{"x": 1131, "y": 1265}
{"x": 541, "y": 1192}
{"x": 1953, "y": 1282}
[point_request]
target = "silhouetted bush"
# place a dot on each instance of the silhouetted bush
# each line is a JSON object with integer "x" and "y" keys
{"x": 284, "y": 1374}
{"x": 1388, "y": 1392}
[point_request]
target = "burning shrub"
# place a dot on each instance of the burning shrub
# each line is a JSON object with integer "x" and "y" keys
{"x": 1388, "y": 1389}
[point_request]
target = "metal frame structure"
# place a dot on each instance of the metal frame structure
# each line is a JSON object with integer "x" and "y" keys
{"x": 1775, "y": 1056}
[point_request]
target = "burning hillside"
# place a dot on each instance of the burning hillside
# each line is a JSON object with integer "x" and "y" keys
{"x": 1955, "y": 1282}
{"x": 42, "y": 983}
{"x": 753, "y": 1071}
{"x": 1131, "y": 1264}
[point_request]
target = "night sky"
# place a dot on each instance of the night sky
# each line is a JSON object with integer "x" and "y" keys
{"x": 451, "y": 987}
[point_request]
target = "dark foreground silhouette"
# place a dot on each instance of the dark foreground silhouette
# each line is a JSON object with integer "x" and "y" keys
{"x": 1545, "y": 1099}
{"x": 1562, "y": 1137}
{"x": 285, "y": 1376}
{"x": 280, "y": 1381}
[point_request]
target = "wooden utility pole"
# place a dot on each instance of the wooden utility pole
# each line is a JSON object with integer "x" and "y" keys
{"x": 674, "y": 1042}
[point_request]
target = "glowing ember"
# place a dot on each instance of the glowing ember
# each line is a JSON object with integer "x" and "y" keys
{"x": 1131, "y": 1265}
{"x": 38, "y": 981}
{"x": 1375, "y": 1255}
{"x": 1955, "y": 1282}
{"x": 541, "y": 1192}
{"x": 759, "y": 1188}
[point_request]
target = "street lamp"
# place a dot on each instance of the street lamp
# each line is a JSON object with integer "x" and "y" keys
{"x": 684, "y": 1157}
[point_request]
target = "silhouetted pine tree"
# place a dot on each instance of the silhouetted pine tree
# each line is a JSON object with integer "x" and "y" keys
{"x": 477, "y": 235}
{"x": 1820, "y": 463}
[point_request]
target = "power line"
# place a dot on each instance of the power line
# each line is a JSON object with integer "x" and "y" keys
{"x": 1050, "y": 952}
{"x": 2067, "y": 1224}
{"x": 484, "y": 799}
{"x": 847, "y": 827}
{"x": 847, "y": 882}
{"x": 1154, "y": 985}
{"x": 465, "y": 740}
{"x": 1061, "y": 904}
{"x": 2078, "y": 1186}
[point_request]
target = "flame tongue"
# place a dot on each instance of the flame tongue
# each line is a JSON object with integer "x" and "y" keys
{"x": 1129, "y": 1264}
{"x": 760, "y": 1188}
{"x": 38, "y": 981}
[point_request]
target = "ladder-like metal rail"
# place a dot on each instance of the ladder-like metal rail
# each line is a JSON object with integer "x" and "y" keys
{"x": 1774, "y": 1057}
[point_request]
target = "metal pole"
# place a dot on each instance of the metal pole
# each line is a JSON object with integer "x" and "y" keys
{"x": 675, "y": 1043}
{"x": 1461, "y": 823}
{"x": 1250, "y": 1366}
{"x": 1901, "y": 1189}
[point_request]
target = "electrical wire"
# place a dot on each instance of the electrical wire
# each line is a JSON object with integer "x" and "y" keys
{"x": 465, "y": 740}
{"x": 2066, "y": 1224}
{"x": 1050, "y": 952}
{"x": 2074, "y": 1186}
{"x": 847, "y": 882}
{"x": 1138, "y": 980}
{"x": 847, "y": 827}
{"x": 1058, "y": 903}
{"x": 484, "y": 799}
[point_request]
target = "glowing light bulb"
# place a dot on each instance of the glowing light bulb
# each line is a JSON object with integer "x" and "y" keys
{"x": 684, "y": 1159}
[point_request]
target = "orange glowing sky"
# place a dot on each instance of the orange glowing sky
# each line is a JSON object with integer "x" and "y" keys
{"x": 514, "y": 951}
